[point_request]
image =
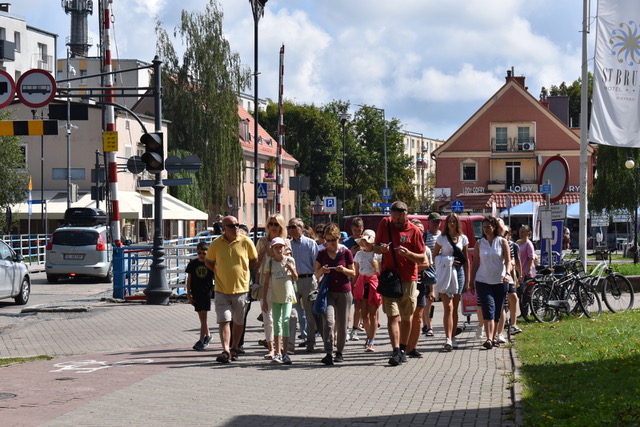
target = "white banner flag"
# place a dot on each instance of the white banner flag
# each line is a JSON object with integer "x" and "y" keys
{"x": 615, "y": 114}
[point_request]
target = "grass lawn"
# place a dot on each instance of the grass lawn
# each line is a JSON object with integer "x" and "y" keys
{"x": 581, "y": 372}
{"x": 15, "y": 360}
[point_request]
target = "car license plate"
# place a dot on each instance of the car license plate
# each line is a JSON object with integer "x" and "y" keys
{"x": 73, "y": 256}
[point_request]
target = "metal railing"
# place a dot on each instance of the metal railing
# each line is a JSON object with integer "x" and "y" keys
{"x": 30, "y": 246}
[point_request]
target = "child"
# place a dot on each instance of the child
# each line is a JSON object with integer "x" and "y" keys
{"x": 199, "y": 290}
{"x": 367, "y": 265}
{"x": 280, "y": 277}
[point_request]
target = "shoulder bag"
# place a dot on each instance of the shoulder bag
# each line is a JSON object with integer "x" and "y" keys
{"x": 458, "y": 255}
{"x": 389, "y": 282}
{"x": 320, "y": 303}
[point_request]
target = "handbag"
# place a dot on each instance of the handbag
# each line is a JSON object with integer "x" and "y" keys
{"x": 320, "y": 303}
{"x": 429, "y": 276}
{"x": 458, "y": 255}
{"x": 389, "y": 282}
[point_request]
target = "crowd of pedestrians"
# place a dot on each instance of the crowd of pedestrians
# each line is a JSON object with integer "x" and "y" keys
{"x": 325, "y": 285}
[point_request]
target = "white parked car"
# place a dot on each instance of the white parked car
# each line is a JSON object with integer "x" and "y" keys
{"x": 15, "y": 281}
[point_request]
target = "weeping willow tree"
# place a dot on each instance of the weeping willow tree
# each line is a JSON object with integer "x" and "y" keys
{"x": 12, "y": 163}
{"x": 200, "y": 100}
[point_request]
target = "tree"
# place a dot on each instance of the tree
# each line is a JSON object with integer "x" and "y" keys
{"x": 14, "y": 181}
{"x": 200, "y": 100}
{"x": 574, "y": 93}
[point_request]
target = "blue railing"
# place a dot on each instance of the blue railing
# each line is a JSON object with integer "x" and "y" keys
{"x": 30, "y": 246}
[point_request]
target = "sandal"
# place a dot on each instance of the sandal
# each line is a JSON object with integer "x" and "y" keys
{"x": 234, "y": 354}
{"x": 429, "y": 332}
{"x": 496, "y": 343}
{"x": 268, "y": 356}
{"x": 223, "y": 358}
{"x": 488, "y": 344}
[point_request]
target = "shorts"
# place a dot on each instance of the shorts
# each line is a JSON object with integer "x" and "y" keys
{"x": 512, "y": 288}
{"x": 230, "y": 307}
{"x": 422, "y": 295}
{"x": 201, "y": 300}
{"x": 405, "y": 305}
{"x": 459, "y": 269}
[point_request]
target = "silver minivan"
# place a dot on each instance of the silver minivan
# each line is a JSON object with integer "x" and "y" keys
{"x": 79, "y": 251}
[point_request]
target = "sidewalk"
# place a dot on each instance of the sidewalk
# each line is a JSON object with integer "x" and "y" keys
{"x": 121, "y": 364}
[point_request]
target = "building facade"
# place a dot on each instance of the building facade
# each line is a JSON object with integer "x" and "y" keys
{"x": 496, "y": 158}
{"x": 419, "y": 150}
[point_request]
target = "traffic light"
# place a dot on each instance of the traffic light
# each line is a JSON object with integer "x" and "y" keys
{"x": 153, "y": 157}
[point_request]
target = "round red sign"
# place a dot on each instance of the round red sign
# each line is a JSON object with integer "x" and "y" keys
{"x": 555, "y": 171}
{"x": 36, "y": 88}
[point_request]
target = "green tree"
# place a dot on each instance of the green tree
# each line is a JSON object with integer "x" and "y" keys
{"x": 14, "y": 181}
{"x": 200, "y": 100}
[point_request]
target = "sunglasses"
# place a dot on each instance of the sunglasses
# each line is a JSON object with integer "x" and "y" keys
{"x": 291, "y": 227}
{"x": 202, "y": 253}
{"x": 232, "y": 225}
{"x": 331, "y": 240}
{"x": 273, "y": 224}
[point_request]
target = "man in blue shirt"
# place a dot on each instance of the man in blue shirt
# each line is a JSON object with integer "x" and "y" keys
{"x": 304, "y": 251}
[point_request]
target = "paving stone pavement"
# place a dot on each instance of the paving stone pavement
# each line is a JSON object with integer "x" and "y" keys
{"x": 132, "y": 364}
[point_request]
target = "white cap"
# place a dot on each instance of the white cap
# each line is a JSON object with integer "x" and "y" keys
{"x": 368, "y": 236}
{"x": 277, "y": 241}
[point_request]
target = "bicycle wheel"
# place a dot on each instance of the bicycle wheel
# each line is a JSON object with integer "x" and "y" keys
{"x": 538, "y": 304}
{"x": 617, "y": 293}
{"x": 589, "y": 301}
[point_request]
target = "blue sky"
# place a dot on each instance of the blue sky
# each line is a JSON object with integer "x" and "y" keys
{"x": 431, "y": 64}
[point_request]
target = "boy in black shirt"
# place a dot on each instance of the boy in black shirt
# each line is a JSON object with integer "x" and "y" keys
{"x": 199, "y": 290}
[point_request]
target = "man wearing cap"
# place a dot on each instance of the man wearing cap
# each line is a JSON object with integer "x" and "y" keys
{"x": 305, "y": 251}
{"x": 231, "y": 256}
{"x": 407, "y": 243}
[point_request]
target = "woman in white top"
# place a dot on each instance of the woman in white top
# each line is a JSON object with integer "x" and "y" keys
{"x": 490, "y": 275}
{"x": 451, "y": 284}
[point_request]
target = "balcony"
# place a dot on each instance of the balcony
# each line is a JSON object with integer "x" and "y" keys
{"x": 7, "y": 50}
{"x": 42, "y": 62}
{"x": 513, "y": 146}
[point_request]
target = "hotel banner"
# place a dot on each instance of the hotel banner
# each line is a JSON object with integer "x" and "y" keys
{"x": 615, "y": 113}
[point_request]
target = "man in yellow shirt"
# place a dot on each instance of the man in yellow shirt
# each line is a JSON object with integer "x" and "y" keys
{"x": 231, "y": 256}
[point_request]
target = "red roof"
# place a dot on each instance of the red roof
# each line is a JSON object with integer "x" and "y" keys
{"x": 268, "y": 145}
{"x": 485, "y": 200}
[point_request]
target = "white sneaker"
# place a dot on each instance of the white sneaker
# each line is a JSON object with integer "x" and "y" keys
{"x": 353, "y": 335}
{"x": 501, "y": 339}
{"x": 479, "y": 333}
{"x": 514, "y": 330}
{"x": 448, "y": 345}
{"x": 454, "y": 343}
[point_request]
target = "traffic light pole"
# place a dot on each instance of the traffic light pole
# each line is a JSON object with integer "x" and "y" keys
{"x": 157, "y": 290}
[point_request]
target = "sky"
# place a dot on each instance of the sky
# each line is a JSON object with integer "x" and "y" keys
{"x": 430, "y": 64}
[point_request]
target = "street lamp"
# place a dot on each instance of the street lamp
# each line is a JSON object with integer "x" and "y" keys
{"x": 344, "y": 118}
{"x": 631, "y": 164}
{"x": 257, "y": 7}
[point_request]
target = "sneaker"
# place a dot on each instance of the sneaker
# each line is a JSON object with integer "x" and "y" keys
{"x": 206, "y": 340}
{"x": 199, "y": 345}
{"x": 479, "y": 332}
{"x": 327, "y": 360}
{"x": 501, "y": 338}
{"x": 514, "y": 330}
{"x": 338, "y": 358}
{"x": 396, "y": 358}
{"x": 353, "y": 335}
{"x": 458, "y": 332}
{"x": 414, "y": 353}
{"x": 448, "y": 345}
{"x": 310, "y": 349}
{"x": 286, "y": 360}
{"x": 276, "y": 358}
{"x": 454, "y": 343}
{"x": 370, "y": 348}
{"x": 302, "y": 344}
{"x": 403, "y": 356}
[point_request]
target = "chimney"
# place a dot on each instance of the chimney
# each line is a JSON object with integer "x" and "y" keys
{"x": 4, "y": 7}
{"x": 518, "y": 79}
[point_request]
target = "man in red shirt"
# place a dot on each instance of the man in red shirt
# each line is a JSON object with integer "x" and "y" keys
{"x": 408, "y": 245}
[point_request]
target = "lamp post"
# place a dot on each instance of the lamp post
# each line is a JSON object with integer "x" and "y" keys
{"x": 344, "y": 118}
{"x": 257, "y": 7}
{"x": 631, "y": 164}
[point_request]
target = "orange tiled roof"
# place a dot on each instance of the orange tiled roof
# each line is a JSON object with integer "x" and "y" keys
{"x": 485, "y": 200}
{"x": 269, "y": 145}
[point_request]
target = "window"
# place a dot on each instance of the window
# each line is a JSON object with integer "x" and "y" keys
{"x": 83, "y": 75}
{"x": 501, "y": 139}
{"x": 42, "y": 52}
{"x": 469, "y": 171}
{"x": 3, "y": 34}
{"x": 16, "y": 38}
{"x": 523, "y": 136}
{"x": 513, "y": 174}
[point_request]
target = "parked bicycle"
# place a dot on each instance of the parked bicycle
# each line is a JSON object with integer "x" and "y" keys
{"x": 571, "y": 294}
{"x": 616, "y": 290}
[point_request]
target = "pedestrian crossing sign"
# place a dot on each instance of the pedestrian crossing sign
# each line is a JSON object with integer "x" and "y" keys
{"x": 262, "y": 190}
